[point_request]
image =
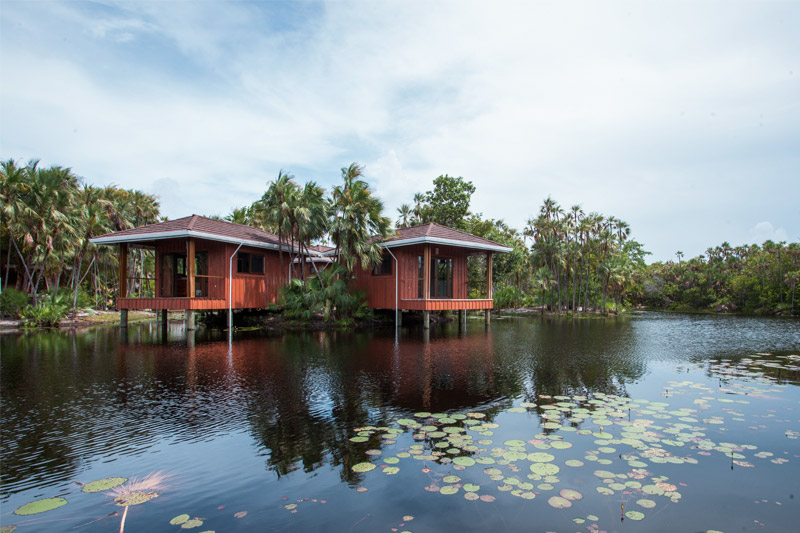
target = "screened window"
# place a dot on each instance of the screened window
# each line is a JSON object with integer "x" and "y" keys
{"x": 249, "y": 263}
{"x": 420, "y": 276}
{"x": 384, "y": 268}
{"x": 442, "y": 277}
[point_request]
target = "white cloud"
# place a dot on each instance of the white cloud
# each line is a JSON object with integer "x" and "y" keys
{"x": 764, "y": 231}
{"x": 678, "y": 118}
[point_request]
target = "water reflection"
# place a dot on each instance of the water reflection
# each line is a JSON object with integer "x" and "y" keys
{"x": 74, "y": 398}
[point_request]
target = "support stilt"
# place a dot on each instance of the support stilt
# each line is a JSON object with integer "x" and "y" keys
{"x": 190, "y": 320}
{"x": 488, "y": 316}
{"x": 426, "y": 320}
{"x": 123, "y": 318}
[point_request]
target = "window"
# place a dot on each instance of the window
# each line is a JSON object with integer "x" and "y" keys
{"x": 420, "y": 276}
{"x": 442, "y": 277}
{"x": 249, "y": 263}
{"x": 384, "y": 268}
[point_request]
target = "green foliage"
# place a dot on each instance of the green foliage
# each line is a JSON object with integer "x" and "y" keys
{"x": 448, "y": 203}
{"x": 45, "y": 313}
{"x": 12, "y": 302}
{"x": 507, "y": 296}
{"x": 749, "y": 279}
{"x": 49, "y": 215}
{"x": 326, "y": 295}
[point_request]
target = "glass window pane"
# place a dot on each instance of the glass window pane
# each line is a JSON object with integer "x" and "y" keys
{"x": 256, "y": 264}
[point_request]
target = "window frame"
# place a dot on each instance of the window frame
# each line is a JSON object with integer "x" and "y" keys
{"x": 247, "y": 259}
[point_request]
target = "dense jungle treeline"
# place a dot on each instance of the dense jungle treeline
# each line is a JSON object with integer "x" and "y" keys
{"x": 47, "y": 216}
{"x": 562, "y": 261}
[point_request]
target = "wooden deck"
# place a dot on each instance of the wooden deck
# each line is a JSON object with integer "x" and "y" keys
{"x": 173, "y": 304}
{"x": 449, "y": 304}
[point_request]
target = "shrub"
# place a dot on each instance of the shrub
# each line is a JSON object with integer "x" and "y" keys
{"x": 46, "y": 313}
{"x": 12, "y": 302}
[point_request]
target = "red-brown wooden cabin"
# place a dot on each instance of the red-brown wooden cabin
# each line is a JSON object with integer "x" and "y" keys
{"x": 202, "y": 264}
{"x": 424, "y": 268}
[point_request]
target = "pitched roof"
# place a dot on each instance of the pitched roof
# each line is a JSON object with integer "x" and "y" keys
{"x": 193, "y": 226}
{"x": 434, "y": 233}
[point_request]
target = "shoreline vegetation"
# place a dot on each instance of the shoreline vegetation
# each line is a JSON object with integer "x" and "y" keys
{"x": 565, "y": 261}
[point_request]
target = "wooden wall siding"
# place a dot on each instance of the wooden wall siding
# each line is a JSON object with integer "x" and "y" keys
{"x": 380, "y": 289}
{"x": 249, "y": 291}
{"x": 446, "y": 305}
{"x": 173, "y": 304}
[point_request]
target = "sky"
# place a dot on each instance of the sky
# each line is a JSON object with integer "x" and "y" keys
{"x": 681, "y": 118}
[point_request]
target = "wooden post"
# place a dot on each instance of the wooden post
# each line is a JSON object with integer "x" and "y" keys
{"x": 189, "y": 320}
{"x": 488, "y": 316}
{"x": 489, "y": 291}
{"x": 426, "y": 320}
{"x": 190, "y": 268}
{"x": 164, "y": 323}
{"x": 426, "y": 273}
{"x": 123, "y": 319}
{"x": 399, "y": 315}
{"x": 123, "y": 271}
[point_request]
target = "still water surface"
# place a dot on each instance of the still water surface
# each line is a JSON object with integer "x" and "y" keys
{"x": 655, "y": 422}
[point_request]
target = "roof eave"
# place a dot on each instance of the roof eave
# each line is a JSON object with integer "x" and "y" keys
{"x": 446, "y": 242}
{"x": 164, "y": 235}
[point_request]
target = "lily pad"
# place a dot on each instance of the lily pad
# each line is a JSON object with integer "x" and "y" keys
{"x": 104, "y": 484}
{"x": 470, "y": 487}
{"x": 40, "y": 506}
{"x": 191, "y": 524}
{"x": 464, "y": 461}
{"x": 451, "y": 479}
{"x": 571, "y": 494}
{"x": 135, "y": 498}
{"x": 363, "y": 467}
{"x": 514, "y": 443}
{"x": 448, "y": 489}
{"x": 634, "y": 515}
{"x": 180, "y": 519}
{"x": 540, "y": 457}
{"x": 647, "y": 504}
{"x": 559, "y": 503}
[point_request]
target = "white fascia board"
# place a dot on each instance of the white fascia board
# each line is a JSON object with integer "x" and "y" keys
{"x": 446, "y": 242}
{"x": 119, "y": 239}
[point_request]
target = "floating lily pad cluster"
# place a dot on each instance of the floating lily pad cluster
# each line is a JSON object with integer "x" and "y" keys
{"x": 629, "y": 439}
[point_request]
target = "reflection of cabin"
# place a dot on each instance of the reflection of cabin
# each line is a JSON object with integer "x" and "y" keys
{"x": 202, "y": 264}
{"x": 424, "y": 268}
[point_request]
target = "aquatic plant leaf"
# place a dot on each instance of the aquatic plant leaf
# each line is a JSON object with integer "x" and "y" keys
{"x": 448, "y": 489}
{"x": 647, "y": 504}
{"x": 540, "y": 457}
{"x": 290, "y": 506}
{"x": 40, "y": 506}
{"x": 180, "y": 519}
{"x": 7, "y": 529}
{"x": 471, "y": 496}
{"x": 104, "y": 484}
{"x": 471, "y": 487}
{"x": 363, "y": 467}
{"x": 135, "y": 498}
{"x": 451, "y": 479}
{"x": 574, "y": 463}
{"x": 191, "y": 524}
{"x": 558, "y": 502}
{"x": 634, "y": 515}
{"x": 240, "y": 514}
{"x": 391, "y": 460}
{"x": 571, "y": 494}
{"x": 464, "y": 461}
{"x": 390, "y": 470}
{"x": 488, "y": 498}
{"x": 605, "y": 491}
{"x": 359, "y": 439}
{"x": 514, "y": 443}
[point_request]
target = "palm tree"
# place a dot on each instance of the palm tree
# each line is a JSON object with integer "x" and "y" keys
{"x": 404, "y": 216}
{"x": 357, "y": 218}
{"x": 274, "y": 209}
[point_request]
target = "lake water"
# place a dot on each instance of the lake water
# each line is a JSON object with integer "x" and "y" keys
{"x": 653, "y": 422}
